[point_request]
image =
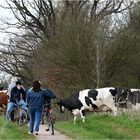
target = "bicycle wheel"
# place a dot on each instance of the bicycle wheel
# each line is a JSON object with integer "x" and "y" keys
{"x": 51, "y": 128}
{"x": 17, "y": 116}
{"x": 43, "y": 117}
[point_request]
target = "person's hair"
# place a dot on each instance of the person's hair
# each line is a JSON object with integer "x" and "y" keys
{"x": 18, "y": 82}
{"x": 36, "y": 86}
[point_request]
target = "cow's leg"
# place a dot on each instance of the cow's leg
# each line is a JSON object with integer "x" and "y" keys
{"x": 75, "y": 119}
{"x": 113, "y": 108}
{"x": 75, "y": 112}
{"x": 82, "y": 113}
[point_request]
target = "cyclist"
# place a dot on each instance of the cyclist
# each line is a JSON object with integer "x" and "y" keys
{"x": 35, "y": 100}
{"x": 17, "y": 95}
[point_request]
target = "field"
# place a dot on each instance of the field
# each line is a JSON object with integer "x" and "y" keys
{"x": 124, "y": 126}
{"x": 9, "y": 130}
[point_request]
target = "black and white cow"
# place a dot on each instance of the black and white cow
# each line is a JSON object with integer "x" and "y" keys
{"x": 90, "y": 100}
{"x": 133, "y": 98}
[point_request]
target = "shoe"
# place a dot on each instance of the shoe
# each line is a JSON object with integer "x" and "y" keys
{"x": 36, "y": 132}
{"x": 47, "y": 129}
{"x": 30, "y": 132}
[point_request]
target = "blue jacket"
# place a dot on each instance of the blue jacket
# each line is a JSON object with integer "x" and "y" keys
{"x": 37, "y": 99}
{"x": 17, "y": 93}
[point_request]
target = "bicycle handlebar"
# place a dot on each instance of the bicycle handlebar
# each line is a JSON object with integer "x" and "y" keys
{"x": 16, "y": 99}
{"x": 47, "y": 105}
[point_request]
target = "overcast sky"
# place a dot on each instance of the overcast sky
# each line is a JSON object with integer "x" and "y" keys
{"x": 5, "y": 14}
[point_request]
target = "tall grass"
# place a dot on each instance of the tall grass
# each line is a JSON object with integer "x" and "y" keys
{"x": 9, "y": 130}
{"x": 124, "y": 126}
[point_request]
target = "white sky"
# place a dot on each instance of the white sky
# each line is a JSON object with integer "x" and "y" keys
{"x": 5, "y": 15}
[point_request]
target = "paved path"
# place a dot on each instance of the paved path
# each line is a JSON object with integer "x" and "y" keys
{"x": 44, "y": 135}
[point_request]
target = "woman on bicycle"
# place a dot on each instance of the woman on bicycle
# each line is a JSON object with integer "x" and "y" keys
{"x": 35, "y": 100}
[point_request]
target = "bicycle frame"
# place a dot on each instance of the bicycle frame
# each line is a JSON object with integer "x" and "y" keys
{"x": 47, "y": 110}
{"x": 18, "y": 110}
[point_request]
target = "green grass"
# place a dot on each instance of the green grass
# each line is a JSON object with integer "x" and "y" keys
{"x": 98, "y": 126}
{"x": 9, "y": 130}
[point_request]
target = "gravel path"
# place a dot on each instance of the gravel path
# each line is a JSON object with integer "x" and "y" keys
{"x": 44, "y": 135}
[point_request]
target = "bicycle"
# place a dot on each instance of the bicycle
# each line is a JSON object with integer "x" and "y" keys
{"x": 47, "y": 111}
{"x": 16, "y": 115}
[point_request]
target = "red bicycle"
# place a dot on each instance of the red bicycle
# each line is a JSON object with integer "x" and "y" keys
{"x": 50, "y": 118}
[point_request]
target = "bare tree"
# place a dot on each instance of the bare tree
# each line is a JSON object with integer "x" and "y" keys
{"x": 14, "y": 56}
{"x": 75, "y": 26}
{"x": 37, "y": 16}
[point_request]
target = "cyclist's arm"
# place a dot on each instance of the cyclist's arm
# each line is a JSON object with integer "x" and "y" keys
{"x": 13, "y": 93}
{"x": 23, "y": 94}
{"x": 27, "y": 97}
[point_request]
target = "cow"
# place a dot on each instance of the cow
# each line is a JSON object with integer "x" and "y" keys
{"x": 3, "y": 98}
{"x": 90, "y": 100}
{"x": 131, "y": 97}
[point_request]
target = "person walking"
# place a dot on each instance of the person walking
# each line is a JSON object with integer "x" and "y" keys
{"x": 35, "y": 100}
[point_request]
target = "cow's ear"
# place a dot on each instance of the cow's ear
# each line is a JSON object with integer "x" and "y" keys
{"x": 113, "y": 92}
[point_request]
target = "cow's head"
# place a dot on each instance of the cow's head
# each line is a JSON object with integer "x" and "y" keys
{"x": 122, "y": 97}
{"x": 62, "y": 108}
{"x": 133, "y": 97}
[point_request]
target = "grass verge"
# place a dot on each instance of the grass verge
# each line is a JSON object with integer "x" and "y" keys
{"x": 124, "y": 126}
{"x": 9, "y": 130}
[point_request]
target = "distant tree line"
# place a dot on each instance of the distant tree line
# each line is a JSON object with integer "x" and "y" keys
{"x": 71, "y": 45}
